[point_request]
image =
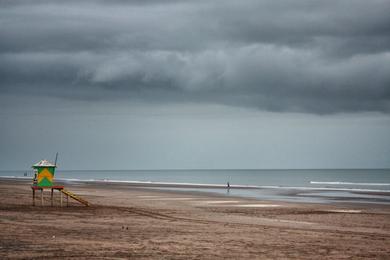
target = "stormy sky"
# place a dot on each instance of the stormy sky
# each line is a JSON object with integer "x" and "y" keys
{"x": 195, "y": 84}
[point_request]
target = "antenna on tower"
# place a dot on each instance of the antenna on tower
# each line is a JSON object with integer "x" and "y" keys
{"x": 55, "y": 161}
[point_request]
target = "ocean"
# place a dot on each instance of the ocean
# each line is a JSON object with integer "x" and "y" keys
{"x": 316, "y": 186}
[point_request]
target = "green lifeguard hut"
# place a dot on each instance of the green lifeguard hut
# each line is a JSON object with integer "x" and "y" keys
{"x": 43, "y": 179}
{"x": 44, "y": 173}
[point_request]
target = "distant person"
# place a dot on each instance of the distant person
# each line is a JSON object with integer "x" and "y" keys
{"x": 35, "y": 180}
{"x": 228, "y": 185}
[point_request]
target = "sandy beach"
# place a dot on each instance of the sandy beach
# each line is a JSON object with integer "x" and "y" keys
{"x": 142, "y": 223}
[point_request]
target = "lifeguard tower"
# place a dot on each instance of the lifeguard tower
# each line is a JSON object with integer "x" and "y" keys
{"x": 43, "y": 179}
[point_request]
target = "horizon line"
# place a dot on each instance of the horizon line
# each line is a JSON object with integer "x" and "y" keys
{"x": 211, "y": 169}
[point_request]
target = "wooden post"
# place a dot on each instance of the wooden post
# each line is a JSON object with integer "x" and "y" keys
{"x": 42, "y": 197}
{"x": 51, "y": 197}
{"x": 61, "y": 199}
{"x": 67, "y": 200}
{"x": 33, "y": 191}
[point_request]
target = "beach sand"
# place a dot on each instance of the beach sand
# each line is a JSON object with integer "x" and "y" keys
{"x": 133, "y": 222}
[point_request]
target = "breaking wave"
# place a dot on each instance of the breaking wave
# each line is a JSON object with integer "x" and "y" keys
{"x": 349, "y": 183}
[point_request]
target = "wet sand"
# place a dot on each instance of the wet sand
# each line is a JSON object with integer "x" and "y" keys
{"x": 133, "y": 222}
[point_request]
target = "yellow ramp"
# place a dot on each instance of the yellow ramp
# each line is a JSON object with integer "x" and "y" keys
{"x": 73, "y": 196}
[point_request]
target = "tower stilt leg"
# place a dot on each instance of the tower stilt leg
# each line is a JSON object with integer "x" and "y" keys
{"x": 61, "y": 199}
{"x": 33, "y": 198}
{"x": 51, "y": 197}
{"x": 42, "y": 197}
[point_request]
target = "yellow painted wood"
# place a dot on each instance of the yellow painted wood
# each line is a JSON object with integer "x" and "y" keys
{"x": 73, "y": 196}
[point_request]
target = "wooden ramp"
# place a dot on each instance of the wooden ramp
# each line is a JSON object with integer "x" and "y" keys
{"x": 73, "y": 196}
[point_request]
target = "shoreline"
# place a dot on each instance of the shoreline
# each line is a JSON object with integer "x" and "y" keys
{"x": 210, "y": 185}
{"x": 110, "y": 187}
{"x": 267, "y": 193}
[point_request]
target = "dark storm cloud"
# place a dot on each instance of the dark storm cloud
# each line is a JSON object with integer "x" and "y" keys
{"x": 307, "y": 56}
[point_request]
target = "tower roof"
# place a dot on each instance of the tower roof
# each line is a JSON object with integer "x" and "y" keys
{"x": 44, "y": 163}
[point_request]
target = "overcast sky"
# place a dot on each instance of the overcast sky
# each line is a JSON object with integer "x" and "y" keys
{"x": 195, "y": 84}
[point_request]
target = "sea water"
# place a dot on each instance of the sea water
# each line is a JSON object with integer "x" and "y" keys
{"x": 357, "y": 185}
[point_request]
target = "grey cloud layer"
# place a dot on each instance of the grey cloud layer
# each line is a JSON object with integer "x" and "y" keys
{"x": 307, "y": 56}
